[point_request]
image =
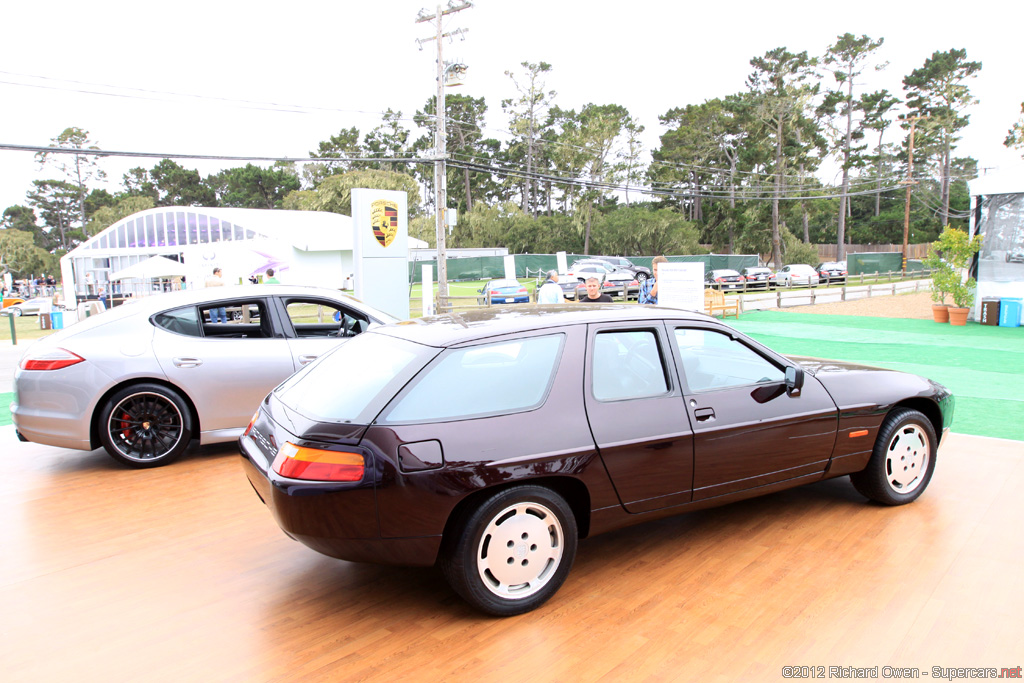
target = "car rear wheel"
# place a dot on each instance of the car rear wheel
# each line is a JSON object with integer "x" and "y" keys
{"x": 903, "y": 459}
{"x": 512, "y": 552}
{"x": 145, "y": 425}
{"x": 16, "y": 312}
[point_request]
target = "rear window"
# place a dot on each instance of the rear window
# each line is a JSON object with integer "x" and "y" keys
{"x": 488, "y": 379}
{"x": 352, "y": 383}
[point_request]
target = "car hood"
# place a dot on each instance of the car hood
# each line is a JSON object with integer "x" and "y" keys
{"x": 855, "y": 385}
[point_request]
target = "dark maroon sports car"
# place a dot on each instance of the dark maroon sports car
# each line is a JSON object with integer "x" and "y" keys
{"x": 490, "y": 441}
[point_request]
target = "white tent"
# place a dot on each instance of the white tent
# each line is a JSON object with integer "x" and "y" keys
{"x": 154, "y": 267}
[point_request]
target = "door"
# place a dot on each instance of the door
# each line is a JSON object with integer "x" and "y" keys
{"x": 748, "y": 430}
{"x": 637, "y": 416}
{"x": 226, "y": 368}
{"x": 318, "y": 325}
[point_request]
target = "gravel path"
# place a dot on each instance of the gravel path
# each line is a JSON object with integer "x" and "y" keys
{"x": 915, "y": 305}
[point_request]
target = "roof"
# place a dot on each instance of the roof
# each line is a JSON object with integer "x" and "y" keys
{"x": 304, "y": 230}
{"x": 455, "y": 328}
{"x": 147, "y": 305}
{"x": 1008, "y": 181}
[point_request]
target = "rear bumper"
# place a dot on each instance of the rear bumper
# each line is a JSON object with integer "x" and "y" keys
{"x": 336, "y": 519}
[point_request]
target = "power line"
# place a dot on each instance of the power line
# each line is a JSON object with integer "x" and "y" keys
{"x": 206, "y": 157}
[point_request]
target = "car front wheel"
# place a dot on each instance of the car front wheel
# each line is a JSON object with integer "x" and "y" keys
{"x": 16, "y": 312}
{"x": 902, "y": 461}
{"x": 641, "y": 276}
{"x": 512, "y": 552}
{"x": 145, "y": 425}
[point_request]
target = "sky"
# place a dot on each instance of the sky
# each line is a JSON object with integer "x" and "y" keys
{"x": 193, "y": 77}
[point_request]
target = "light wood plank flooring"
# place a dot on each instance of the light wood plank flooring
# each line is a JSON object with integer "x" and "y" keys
{"x": 180, "y": 574}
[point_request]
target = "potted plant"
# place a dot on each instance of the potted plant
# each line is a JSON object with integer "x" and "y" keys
{"x": 942, "y": 279}
{"x": 958, "y": 248}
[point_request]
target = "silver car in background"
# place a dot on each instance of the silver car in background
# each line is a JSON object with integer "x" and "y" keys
{"x": 145, "y": 379}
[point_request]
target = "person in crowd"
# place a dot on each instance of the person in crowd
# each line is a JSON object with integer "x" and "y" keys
{"x": 270, "y": 279}
{"x": 550, "y": 292}
{"x": 649, "y": 288}
{"x": 594, "y": 293}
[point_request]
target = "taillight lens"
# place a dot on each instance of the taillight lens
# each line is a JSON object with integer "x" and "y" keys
{"x": 300, "y": 462}
{"x": 53, "y": 359}
{"x": 251, "y": 423}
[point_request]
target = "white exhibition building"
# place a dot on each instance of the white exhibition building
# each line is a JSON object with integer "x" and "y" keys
{"x": 173, "y": 247}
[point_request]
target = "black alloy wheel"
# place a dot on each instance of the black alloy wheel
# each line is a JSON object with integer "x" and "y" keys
{"x": 145, "y": 425}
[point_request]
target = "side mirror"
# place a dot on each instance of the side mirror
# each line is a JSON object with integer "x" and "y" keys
{"x": 794, "y": 380}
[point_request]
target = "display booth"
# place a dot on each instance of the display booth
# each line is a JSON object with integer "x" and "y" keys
{"x": 998, "y": 216}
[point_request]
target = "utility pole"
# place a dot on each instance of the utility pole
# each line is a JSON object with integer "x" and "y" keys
{"x": 909, "y": 183}
{"x": 440, "y": 141}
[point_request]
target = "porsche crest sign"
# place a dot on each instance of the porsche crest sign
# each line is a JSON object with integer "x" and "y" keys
{"x": 384, "y": 221}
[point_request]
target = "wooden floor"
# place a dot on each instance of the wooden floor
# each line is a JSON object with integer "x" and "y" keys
{"x": 180, "y": 574}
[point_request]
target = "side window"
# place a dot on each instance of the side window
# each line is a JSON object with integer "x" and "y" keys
{"x": 180, "y": 321}
{"x": 489, "y": 379}
{"x": 319, "y": 318}
{"x": 235, "y": 320}
{"x": 712, "y": 360}
{"x": 627, "y": 365}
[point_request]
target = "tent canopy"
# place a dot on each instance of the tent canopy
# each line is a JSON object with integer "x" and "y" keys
{"x": 154, "y": 267}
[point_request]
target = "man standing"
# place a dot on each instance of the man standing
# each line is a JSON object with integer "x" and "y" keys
{"x": 550, "y": 292}
{"x": 217, "y": 315}
{"x": 594, "y": 293}
{"x": 649, "y": 288}
{"x": 271, "y": 280}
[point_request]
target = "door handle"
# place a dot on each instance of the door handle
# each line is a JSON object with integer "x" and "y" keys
{"x": 703, "y": 414}
{"x": 187, "y": 362}
{"x": 303, "y": 360}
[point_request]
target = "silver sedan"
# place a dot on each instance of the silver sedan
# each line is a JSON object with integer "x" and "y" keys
{"x": 145, "y": 379}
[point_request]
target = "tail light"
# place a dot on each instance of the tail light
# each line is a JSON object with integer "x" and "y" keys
{"x": 53, "y": 359}
{"x": 300, "y": 462}
{"x": 251, "y": 423}
{"x": 522, "y": 290}
{"x": 718, "y": 279}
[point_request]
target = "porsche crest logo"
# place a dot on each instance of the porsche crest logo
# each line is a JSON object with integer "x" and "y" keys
{"x": 384, "y": 220}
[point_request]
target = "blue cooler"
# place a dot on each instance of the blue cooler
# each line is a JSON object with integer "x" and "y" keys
{"x": 58, "y": 320}
{"x": 1009, "y": 312}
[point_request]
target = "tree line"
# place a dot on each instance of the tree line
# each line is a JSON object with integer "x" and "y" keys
{"x": 736, "y": 172}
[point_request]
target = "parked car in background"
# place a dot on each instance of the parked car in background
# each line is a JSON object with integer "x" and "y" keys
{"x": 796, "y": 274}
{"x": 620, "y": 281}
{"x": 1015, "y": 254}
{"x": 503, "y": 291}
{"x": 622, "y": 263}
{"x": 145, "y": 379}
{"x": 29, "y": 307}
{"x": 572, "y": 289}
{"x": 613, "y": 280}
{"x": 723, "y": 278}
{"x": 489, "y": 441}
{"x": 832, "y": 271}
{"x": 757, "y": 277}
{"x": 581, "y": 270}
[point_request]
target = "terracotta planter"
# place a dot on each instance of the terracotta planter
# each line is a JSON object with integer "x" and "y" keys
{"x": 940, "y": 312}
{"x": 958, "y": 316}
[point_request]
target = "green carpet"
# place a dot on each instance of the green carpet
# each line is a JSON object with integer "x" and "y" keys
{"x": 5, "y": 409}
{"x": 982, "y": 365}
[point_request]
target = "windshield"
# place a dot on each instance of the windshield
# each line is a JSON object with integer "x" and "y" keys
{"x": 352, "y": 383}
